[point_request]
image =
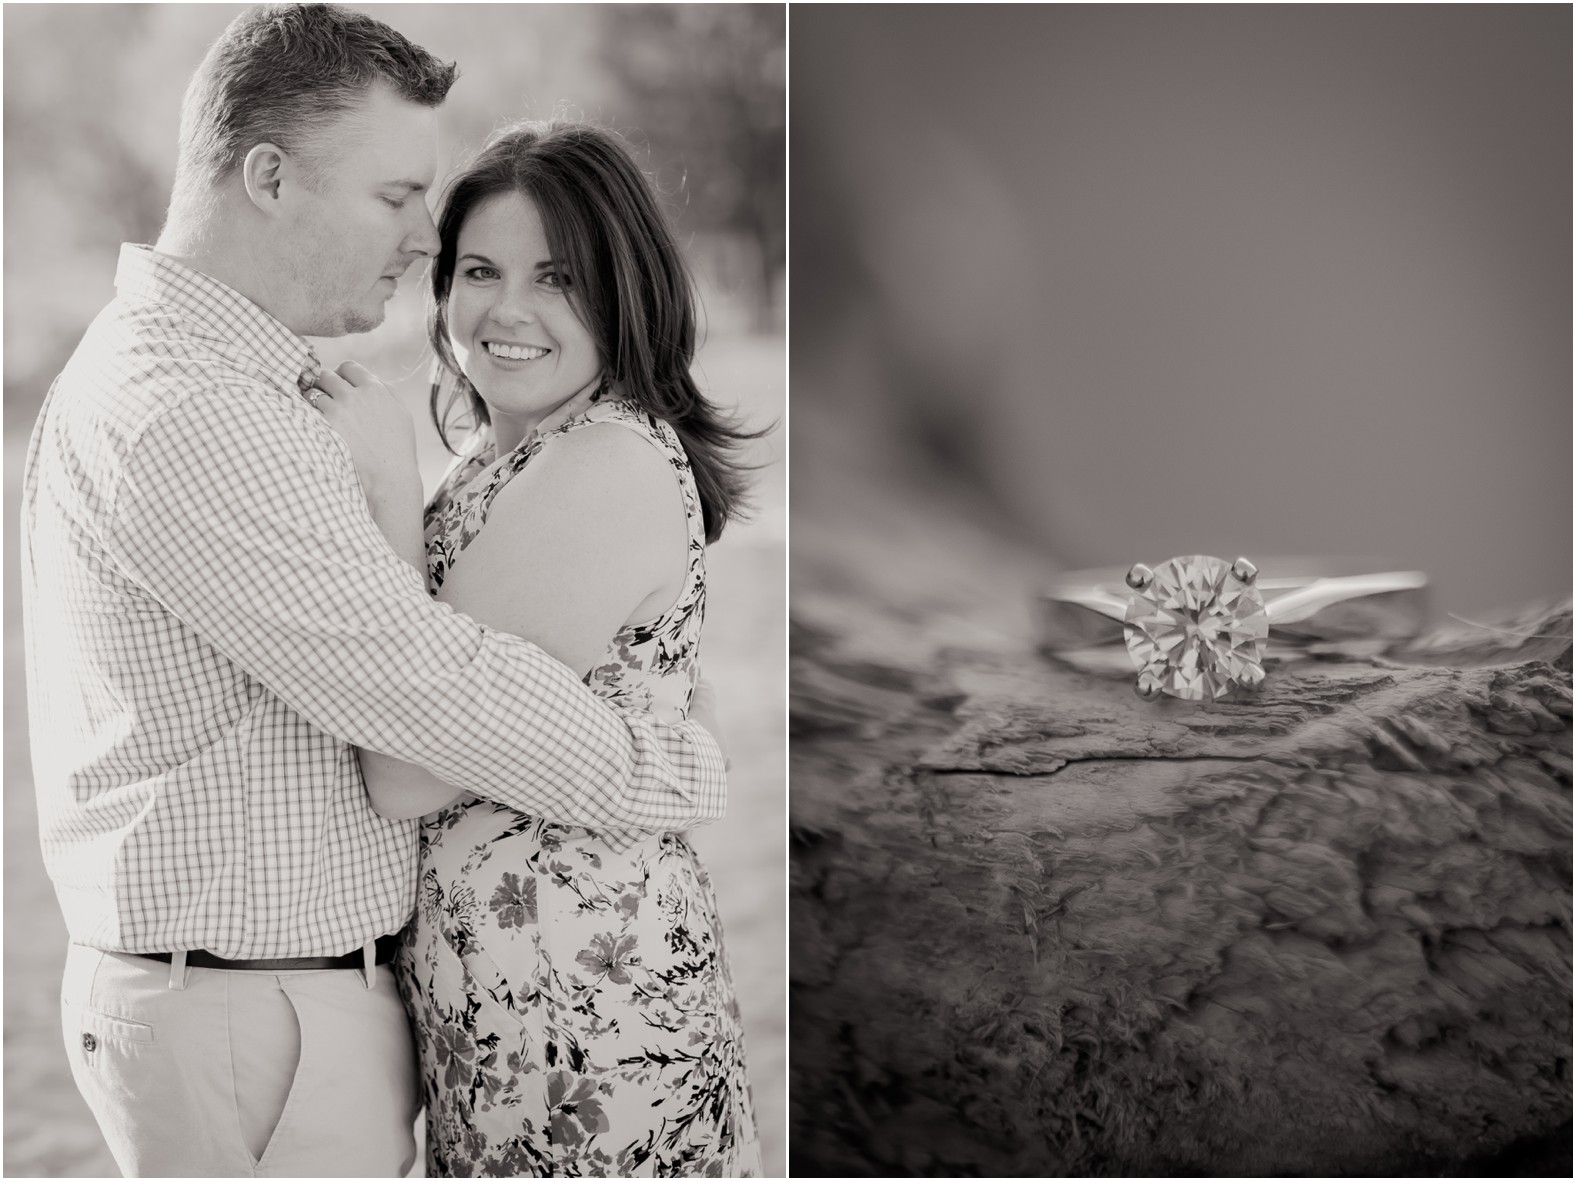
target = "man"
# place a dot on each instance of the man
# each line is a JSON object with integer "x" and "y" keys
{"x": 213, "y": 622}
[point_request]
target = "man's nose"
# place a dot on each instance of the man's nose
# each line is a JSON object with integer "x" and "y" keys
{"x": 424, "y": 240}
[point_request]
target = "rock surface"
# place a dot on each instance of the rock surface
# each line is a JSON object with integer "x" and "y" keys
{"x": 1041, "y": 927}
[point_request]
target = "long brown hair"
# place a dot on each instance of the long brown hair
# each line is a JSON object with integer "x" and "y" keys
{"x": 629, "y": 286}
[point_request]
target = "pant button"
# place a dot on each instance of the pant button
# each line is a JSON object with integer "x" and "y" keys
{"x": 89, "y": 1042}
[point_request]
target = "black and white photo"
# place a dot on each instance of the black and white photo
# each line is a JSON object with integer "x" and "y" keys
{"x": 371, "y": 546}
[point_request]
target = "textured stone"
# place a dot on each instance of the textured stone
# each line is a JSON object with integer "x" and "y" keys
{"x": 1196, "y": 631}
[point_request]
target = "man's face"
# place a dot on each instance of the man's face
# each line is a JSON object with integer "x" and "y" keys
{"x": 364, "y": 219}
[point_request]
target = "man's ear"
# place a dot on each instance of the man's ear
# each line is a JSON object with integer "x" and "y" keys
{"x": 264, "y": 170}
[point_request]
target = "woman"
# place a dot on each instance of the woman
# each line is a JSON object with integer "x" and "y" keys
{"x": 569, "y": 989}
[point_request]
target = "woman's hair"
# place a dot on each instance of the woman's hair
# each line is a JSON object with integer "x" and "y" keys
{"x": 628, "y": 284}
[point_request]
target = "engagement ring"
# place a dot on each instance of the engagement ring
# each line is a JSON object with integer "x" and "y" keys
{"x": 1197, "y": 627}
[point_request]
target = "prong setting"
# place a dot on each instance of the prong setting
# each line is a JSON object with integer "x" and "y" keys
{"x": 1195, "y": 627}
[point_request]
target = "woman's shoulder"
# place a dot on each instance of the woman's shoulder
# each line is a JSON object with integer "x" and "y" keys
{"x": 619, "y": 432}
{"x": 616, "y": 454}
{"x": 601, "y": 479}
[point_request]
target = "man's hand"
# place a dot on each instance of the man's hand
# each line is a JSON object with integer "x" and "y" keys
{"x": 380, "y": 434}
{"x": 703, "y": 710}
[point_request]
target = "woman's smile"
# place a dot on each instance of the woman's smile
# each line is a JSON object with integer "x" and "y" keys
{"x": 512, "y": 355}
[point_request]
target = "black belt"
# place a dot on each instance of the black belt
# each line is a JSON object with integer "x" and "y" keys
{"x": 386, "y": 947}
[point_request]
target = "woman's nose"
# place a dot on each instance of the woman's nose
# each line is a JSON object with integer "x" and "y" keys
{"x": 513, "y": 307}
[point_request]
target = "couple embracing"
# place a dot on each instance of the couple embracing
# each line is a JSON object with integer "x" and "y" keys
{"x": 354, "y": 803}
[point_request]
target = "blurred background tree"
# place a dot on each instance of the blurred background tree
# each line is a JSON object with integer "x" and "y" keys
{"x": 731, "y": 119}
{"x": 92, "y": 103}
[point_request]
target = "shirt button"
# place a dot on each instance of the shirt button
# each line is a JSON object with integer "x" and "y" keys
{"x": 89, "y": 1042}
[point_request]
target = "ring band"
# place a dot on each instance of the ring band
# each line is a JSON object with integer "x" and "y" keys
{"x": 1196, "y": 627}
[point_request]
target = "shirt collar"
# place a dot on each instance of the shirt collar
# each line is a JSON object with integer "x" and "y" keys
{"x": 144, "y": 275}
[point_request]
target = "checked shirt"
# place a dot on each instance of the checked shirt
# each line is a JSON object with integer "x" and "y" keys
{"x": 212, "y": 621}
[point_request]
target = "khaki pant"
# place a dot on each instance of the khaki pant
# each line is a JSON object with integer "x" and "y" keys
{"x": 242, "y": 1074}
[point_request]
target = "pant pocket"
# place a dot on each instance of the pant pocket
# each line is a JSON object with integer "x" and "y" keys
{"x": 349, "y": 1111}
{"x": 265, "y": 1058}
{"x": 104, "y": 1025}
{"x": 151, "y": 1063}
{"x": 96, "y": 1040}
{"x": 113, "y": 1060}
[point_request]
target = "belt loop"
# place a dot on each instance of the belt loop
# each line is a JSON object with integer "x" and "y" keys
{"x": 178, "y": 970}
{"x": 369, "y": 961}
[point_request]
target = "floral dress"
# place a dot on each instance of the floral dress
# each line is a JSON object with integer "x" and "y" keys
{"x": 571, "y": 996}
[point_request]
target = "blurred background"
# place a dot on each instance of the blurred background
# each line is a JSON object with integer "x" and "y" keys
{"x": 92, "y": 96}
{"x": 1137, "y": 281}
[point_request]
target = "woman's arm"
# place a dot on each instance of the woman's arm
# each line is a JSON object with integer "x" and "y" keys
{"x": 588, "y": 537}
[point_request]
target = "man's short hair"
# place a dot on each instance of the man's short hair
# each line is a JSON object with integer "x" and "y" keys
{"x": 282, "y": 74}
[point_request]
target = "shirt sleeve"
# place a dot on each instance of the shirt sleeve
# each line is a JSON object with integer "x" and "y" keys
{"x": 240, "y": 513}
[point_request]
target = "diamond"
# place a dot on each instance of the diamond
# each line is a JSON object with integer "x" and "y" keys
{"x": 1197, "y": 630}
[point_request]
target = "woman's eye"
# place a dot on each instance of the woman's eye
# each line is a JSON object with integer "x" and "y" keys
{"x": 393, "y": 202}
{"x": 554, "y": 280}
{"x": 481, "y": 273}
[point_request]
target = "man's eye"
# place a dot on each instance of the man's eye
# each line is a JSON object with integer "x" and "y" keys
{"x": 394, "y": 202}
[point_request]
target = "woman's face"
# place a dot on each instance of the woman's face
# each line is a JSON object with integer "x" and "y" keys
{"x": 514, "y": 332}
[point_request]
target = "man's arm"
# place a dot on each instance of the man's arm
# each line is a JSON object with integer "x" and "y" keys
{"x": 243, "y": 516}
{"x": 589, "y": 536}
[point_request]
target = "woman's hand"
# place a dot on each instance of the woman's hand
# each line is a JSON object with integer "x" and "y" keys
{"x": 382, "y": 442}
{"x": 703, "y": 711}
{"x": 380, "y": 433}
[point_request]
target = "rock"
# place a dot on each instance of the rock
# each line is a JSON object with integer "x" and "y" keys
{"x": 1040, "y": 927}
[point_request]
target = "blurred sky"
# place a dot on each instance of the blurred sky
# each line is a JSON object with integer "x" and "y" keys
{"x": 1223, "y": 278}
{"x": 92, "y": 97}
